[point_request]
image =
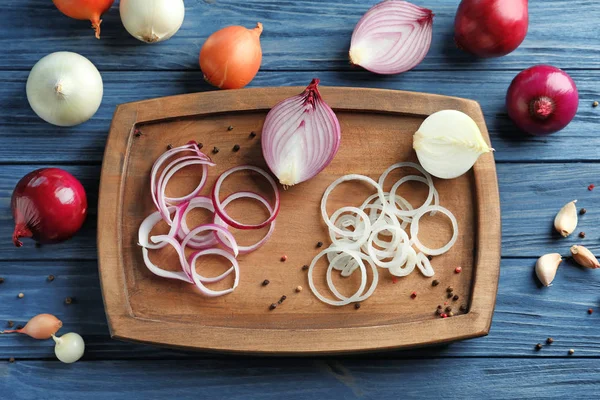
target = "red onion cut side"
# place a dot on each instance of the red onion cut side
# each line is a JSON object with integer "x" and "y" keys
{"x": 301, "y": 136}
{"x": 197, "y": 277}
{"x": 219, "y": 221}
{"x": 392, "y": 37}
{"x": 220, "y": 210}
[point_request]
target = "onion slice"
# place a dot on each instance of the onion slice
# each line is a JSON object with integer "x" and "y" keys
{"x": 183, "y": 275}
{"x": 198, "y": 242}
{"x": 219, "y": 221}
{"x": 414, "y": 231}
{"x": 219, "y": 209}
{"x": 392, "y": 37}
{"x": 300, "y": 137}
{"x": 198, "y": 279}
{"x": 150, "y": 222}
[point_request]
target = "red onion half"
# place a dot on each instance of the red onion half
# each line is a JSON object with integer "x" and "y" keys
{"x": 491, "y": 28}
{"x": 542, "y": 100}
{"x": 392, "y": 37}
{"x": 300, "y": 137}
{"x": 48, "y": 205}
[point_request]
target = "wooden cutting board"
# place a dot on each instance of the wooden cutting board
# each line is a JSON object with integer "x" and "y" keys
{"x": 377, "y": 128}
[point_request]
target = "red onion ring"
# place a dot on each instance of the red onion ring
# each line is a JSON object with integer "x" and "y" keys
{"x": 219, "y": 221}
{"x": 150, "y": 222}
{"x": 183, "y": 275}
{"x": 223, "y": 214}
{"x": 198, "y": 242}
{"x": 194, "y": 193}
{"x": 197, "y": 278}
{"x": 207, "y": 227}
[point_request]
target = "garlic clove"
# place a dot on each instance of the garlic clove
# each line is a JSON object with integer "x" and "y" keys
{"x": 565, "y": 221}
{"x": 546, "y": 267}
{"x": 584, "y": 257}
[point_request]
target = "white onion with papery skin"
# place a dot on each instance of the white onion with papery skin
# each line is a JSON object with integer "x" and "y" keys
{"x": 64, "y": 89}
{"x": 448, "y": 143}
{"x": 300, "y": 137}
{"x": 69, "y": 348}
{"x": 152, "y": 21}
{"x": 392, "y": 37}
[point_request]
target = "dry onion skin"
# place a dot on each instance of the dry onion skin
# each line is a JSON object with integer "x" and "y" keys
{"x": 448, "y": 143}
{"x": 231, "y": 57}
{"x": 355, "y": 235}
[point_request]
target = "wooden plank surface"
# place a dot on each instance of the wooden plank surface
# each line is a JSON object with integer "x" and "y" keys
{"x": 301, "y": 379}
{"x": 26, "y": 139}
{"x": 304, "y": 39}
{"x": 298, "y": 35}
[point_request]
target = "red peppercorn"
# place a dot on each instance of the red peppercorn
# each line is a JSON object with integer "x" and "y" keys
{"x": 590, "y": 311}
{"x": 591, "y": 187}
{"x": 444, "y": 315}
{"x": 394, "y": 280}
{"x": 283, "y": 258}
{"x": 458, "y": 270}
{"x": 413, "y": 295}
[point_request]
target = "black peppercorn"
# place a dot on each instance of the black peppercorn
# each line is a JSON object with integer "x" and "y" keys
{"x": 68, "y": 300}
{"x": 304, "y": 267}
{"x": 319, "y": 244}
{"x": 230, "y": 128}
{"x": 272, "y": 306}
{"x": 435, "y": 282}
{"x": 463, "y": 308}
{"x": 200, "y": 145}
{"x": 252, "y": 135}
{"x": 50, "y": 278}
{"x": 450, "y": 295}
{"x": 430, "y": 258}
{"x": 549, "y": 340}
{"x": 215, "y": 150}
{"x": 1, "y": 280}
{"x": 538, "y": 346}
{"x": 448, "y": 309}
{"x": 265, "y": 282}
{"x": 169, "y": 146}
{"x": 455, "y": 297}
{"x": 449, "y": 289}
{"x": 582, "y": 235}
{"x": 582, "y": 211}
{"x": 356, "y": 306}
{"x": 236, "y": 147}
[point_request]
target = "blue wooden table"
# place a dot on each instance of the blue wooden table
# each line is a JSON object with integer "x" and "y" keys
{"x": 303, "y": 39}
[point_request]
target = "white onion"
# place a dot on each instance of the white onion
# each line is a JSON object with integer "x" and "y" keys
{"x": 448, "y": 143}
{"x": 152, "y": 21}
{"x": 64, "y": 89}
{"x": 69, "y": 347}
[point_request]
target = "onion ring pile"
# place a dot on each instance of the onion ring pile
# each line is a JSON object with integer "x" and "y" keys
{"x": 206, "y": 239}
{"x": 356, "y": 232}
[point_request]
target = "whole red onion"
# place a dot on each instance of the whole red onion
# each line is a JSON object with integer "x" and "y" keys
{"x": 542, "y": 99}
{"x": 491, "y": 28}
{"x": 48, "y": 205}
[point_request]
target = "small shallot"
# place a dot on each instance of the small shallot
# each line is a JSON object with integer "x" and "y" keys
{"x": 301, "y": 136}
{"x": 69, "y": 347}
{"x": 42, "y": 326}
{"x": 392, "y": 37}
{"x": 584, "y": 257}
{"x": 565, "y": 221}
{"x": 546, "y": 266}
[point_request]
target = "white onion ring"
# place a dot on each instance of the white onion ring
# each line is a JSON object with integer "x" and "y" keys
{"x": 364, "y": 234}
{"x": 414, "y": 231}
{"x": 221, "y": 211}
{"x": 404, "y": 269}
{"x": 424, "y": 265}
{"x": 197, "y": 278}
{"x": 346, "y": 178}
{"x": 402, "y": 253}
{"x": 362, "y": 267}
{"x": 370, "y": 291}
{"x": 219, "y": 221}
{"x": 150, "y": 222}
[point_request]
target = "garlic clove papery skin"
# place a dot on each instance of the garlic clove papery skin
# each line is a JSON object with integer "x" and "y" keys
{"x": 566, "y": 219}
{"x": 546, "y": 267}
{"x": 152, "y": 21}
{"x": 448, "y": 143}
{"x": 584, "y": 257}
{"x": 64, "y": 89}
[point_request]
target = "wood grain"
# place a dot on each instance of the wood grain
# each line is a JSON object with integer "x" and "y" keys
{"x": 298, "y": 35}
{"x": 525, "y": 314}
{"x": 26, "y": 139}
{"x": 302, "y": 378}
{"x": 142, "y": 308}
